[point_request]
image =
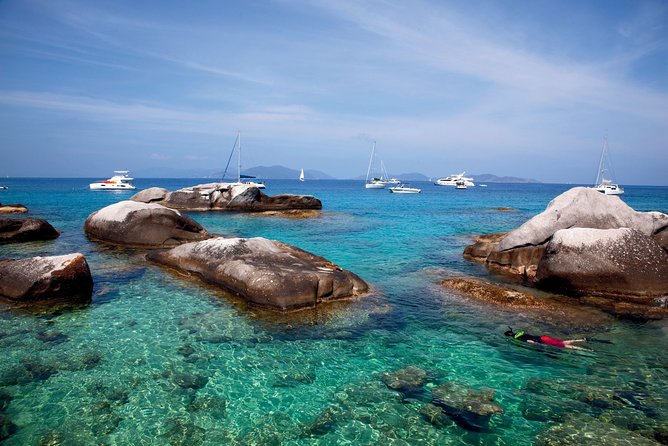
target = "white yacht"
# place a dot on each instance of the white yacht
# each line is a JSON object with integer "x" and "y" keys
{"x": 604, "y": 185}
{"x": 374, "y": 182}
{"x": 452, "y": 180}
{"x": 120, "y": 181}
{"x": 404, "y": 189}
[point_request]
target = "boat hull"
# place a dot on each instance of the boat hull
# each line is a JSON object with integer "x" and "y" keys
{"x": 404, "y": 190}
{"x": 375, "y": 185}
{"x": 609, "y": 190}
{"x": 109, "y": 186}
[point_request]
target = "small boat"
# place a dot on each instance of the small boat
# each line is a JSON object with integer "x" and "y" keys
{"x": 120, "y": 181}
{"x": 404, "y": 189}
{"x": 3, "y": 188}
{"x": 483, "y": 185}
{"x": 604, "y": 185}
{"x": 374, "y": 182}
{"x": 451, "y": 180}
{"x": 460, "y": 184}
{"x": 301, "y": 175}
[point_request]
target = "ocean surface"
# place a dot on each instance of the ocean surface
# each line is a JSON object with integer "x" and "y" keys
{"x": 161, "y": 359}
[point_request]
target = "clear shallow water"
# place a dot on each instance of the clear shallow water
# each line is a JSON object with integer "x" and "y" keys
{"x": 157, "y": 359}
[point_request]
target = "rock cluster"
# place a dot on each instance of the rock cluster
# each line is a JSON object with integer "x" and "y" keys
{"x": 585, "y": 244}
{"x": 225, "y": 197}
{"x": 264, "y": 272}
{"x": 133, "y": 223}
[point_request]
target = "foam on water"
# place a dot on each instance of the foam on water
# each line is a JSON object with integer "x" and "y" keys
{"x": 161, "y": 359}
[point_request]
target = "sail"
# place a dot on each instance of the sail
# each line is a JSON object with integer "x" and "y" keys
{"x": 301, "y": 175}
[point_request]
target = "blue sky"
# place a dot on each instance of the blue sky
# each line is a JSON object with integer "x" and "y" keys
{"x": 522, "y": 88}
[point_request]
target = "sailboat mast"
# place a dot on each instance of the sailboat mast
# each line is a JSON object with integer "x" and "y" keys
{"x": 599, "y": 175}
{"x": 239, "y": 160}
{"x": 368, "y": 171}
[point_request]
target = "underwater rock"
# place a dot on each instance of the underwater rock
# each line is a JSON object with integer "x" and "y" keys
{"x": 5, "y": 399}
{"x": 292, "y": 213}
{"x": 435, "y": 415}
{"x": 189, "y": 380}
{"x": 52, "y": 337}
{"x": 324, "y": 423}
{"x": 543, "y": 408}
{"x": 469, "y": 408}
{"x": 182, "y": 431}
{"x": 610, "y": 262}
{"x": 65, "y": 277}
{"x": 406, "y": 379}
{"x": 264, "y": 272}
{"x": 7, "y": 427}
{"x": 133, "y": 223}
{"x": 29, "y": 370}
{"x": 580, "y": 430}
{"x": 12, "y": 209}
{"x": 13, "y": 230}
{"x": 226, "y": 197}
{"x": 213, "y": 405}
{"x": 294, "y": 378}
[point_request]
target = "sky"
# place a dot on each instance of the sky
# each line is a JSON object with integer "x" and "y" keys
{"x": 520, "y": 88}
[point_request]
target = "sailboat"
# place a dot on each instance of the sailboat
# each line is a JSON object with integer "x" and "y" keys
{"x": 237, "y": 144}
{"x": 301, "y": 175}
{"x": 375, "y": 182}
{"x": 605, "y": 185}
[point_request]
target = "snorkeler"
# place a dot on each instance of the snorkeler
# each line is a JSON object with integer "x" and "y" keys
{"x": 547, "y": 340}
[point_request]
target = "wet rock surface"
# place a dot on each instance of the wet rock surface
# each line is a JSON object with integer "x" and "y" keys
{"x": 14, "y": 230}
{"x": 227, "y": 197}
{"x": 138, "y": 224}
{"x": 65, "y": 277}
{"x": 470, "y": 408}
{"x": 264, "y": 272}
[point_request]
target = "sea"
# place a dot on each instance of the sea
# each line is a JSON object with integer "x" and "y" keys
{"x": 158, "y": 358}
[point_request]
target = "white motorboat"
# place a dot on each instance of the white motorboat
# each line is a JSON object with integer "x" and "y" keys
{"x": 451, "y": 180}
{"x": 374, "y": 182}
{"x": 404, "y": 189}
{"x": 120, "y": 181}
{"x": 604, "y": 185}
{"x": 246, "y": 178}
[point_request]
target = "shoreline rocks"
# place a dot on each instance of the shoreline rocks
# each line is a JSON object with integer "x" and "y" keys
{"x": 225, "y": 197}
{"x": 12, "y": 209}
{"x": 13, "y": 230}
{"x": 65, "y": 277}
{"x": 585, "y": 244}
{"x": 264, "y": 272}
{"x": 132, "y": 223}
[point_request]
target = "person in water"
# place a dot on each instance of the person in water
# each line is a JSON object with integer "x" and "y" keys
{"x": 547, "y": 340}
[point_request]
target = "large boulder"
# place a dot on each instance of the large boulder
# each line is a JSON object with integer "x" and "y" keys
{"x": 226, "y": 196}
{"x": 607, "y": 262}
{"x": 142, "y": 224}
{"x": 26, "y": 230}
{"x": 583, "y": 207}
{"x": 65, "y": 277}
{"x": 264, "y": 272}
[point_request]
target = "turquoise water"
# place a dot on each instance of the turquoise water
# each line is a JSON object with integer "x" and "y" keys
{"x": 158, "y": 359}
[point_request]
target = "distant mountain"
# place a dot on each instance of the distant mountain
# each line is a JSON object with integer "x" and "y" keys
{"x": 489, "y": 178}
{"x": 278, "y": 173}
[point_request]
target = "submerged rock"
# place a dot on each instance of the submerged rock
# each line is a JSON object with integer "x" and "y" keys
{"x": 264, "y": 272}
{"x": 142, "y": 224}
{"x": 226, "y": 197}
{"x": 65, "y": 277}
{"x": 26, "y": 230}
{"x": 470, "y": 408}
{"x": 578, "y": 430}
{"x": 406, "y": 379}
